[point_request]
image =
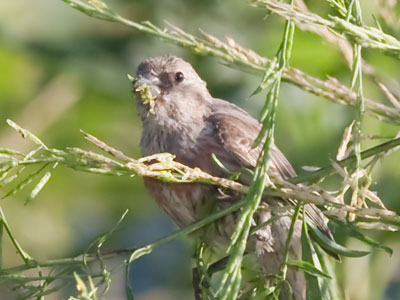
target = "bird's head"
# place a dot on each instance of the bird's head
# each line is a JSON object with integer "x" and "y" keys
{"x": 167, "y": 88}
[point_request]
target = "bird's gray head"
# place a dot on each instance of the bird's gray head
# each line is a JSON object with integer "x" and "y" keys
{"x": 168, "y": 89}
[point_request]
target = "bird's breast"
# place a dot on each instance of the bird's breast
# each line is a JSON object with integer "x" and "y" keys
{"x": 183, "y": 202}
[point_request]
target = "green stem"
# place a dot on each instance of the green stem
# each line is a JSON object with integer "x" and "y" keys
{"x": 289, "y": 239}
{"x": 348, "y": 162}
{"x": 359, "y": 109}
{"x": 331, "y": 90}
{"x": 25, "y": 256}
{"x": 21, "y": 278}
{"x": 90, "y": 258}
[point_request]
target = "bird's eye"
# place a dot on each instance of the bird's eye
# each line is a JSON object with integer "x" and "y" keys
{"x": 179, "y": 76}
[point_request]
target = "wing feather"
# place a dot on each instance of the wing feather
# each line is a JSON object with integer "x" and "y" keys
{"x": 236, "y": 131}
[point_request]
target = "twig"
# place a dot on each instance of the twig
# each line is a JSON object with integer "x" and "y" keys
{"x": 235, "y": 55}
{"x": 366, "y": 36}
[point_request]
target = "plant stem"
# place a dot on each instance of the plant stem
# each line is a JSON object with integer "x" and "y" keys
{"x": 237, "y": 56}
{"x": 25, "y": 256}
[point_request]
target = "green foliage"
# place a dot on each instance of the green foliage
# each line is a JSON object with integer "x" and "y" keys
{"x": 351, "y": 204}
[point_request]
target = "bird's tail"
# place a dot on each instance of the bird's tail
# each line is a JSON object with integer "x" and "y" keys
{"x": 270, "y": 253}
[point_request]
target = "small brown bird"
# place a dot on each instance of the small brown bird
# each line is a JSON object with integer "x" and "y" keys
{"x": 181, "y": 117}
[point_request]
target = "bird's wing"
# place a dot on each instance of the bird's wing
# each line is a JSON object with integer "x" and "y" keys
{"x": 236, "y": 131}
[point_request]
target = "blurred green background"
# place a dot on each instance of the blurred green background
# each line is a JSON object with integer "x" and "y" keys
{"x": 61, "y": 71}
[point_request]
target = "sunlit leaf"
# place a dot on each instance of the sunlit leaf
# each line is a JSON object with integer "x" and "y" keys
{"x": 332, "y": 247}
{"x": 356, "y": 233}
{"x": 308, "y": 268}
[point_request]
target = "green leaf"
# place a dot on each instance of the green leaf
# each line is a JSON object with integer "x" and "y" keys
{"x": 43, "y": 181}
{"x": 220, "y": 165}
{"x": 267, "y": 291}
{"x": 25, "y": 182}
{"x": 128, "y": 286}
{"x": 331, "y": 246}
{"x": 135, "y": 255}
{"x": 308, "y": 268}
{"x": 318, "y": 288}
{"x": 353, "y": 231}
{"x": 10, "y": 152}
{"x": 131, "y": 78}
{"x": 26, "y": 133}
{"x": 269, "y": 78}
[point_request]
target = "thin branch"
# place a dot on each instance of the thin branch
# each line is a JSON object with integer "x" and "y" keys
{"x": 235, "y": 55}
{"x": 366, "y": 36}
{"x": 163, "y": 167}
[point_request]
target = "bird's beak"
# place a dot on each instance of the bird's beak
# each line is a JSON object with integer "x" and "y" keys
{"x": 148, "y": 80}
{"x": 148, "y": 90}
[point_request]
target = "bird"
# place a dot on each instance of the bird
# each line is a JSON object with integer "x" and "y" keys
{"x": 179, "y": 116}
